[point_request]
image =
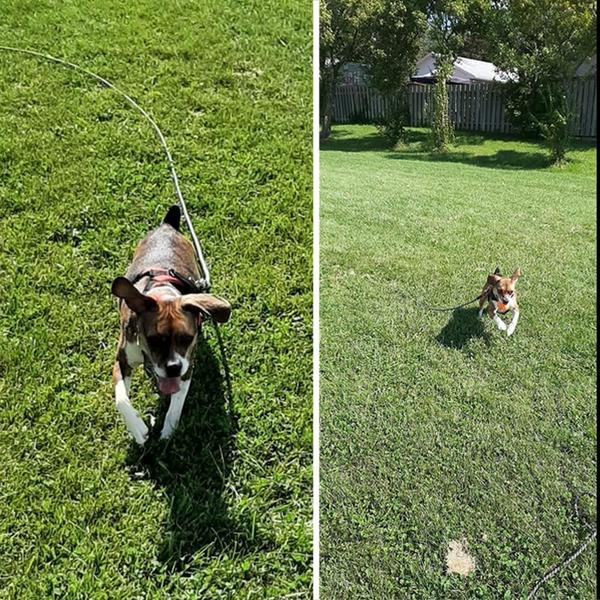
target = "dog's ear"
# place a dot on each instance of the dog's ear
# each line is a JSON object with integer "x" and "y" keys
{"x": 137, "y": 302}
{"x": 217, "y": 308}
{"x": 497, "y": 271}
{"x": 493, "y": 279}
{"x": 516, "y": 274}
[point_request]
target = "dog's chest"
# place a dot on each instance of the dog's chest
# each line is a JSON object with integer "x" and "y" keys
{"x": 134, "y": 354}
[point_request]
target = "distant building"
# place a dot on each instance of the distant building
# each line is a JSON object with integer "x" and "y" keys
{"x": 354, "y": 74}
{"x": 587, "y": 68}
{"x": 466, "y": 70}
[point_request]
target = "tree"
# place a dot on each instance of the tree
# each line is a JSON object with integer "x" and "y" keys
{"x": 384, "y": 34}
{"x": 345, "y": 28}
{"x": 397, "y": 41}
{"x": 395, "y": 45}
{"x": 542, "y": 42}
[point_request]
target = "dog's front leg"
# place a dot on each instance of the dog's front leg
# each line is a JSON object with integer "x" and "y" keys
{"x": 483, "y": 298}
{"x": 500, "y": 324}
{"x": 481, "y": 307}
{"x": 175, "y": 408}
{"x": 122, "y": 382}
{"x": 513, "y": 323}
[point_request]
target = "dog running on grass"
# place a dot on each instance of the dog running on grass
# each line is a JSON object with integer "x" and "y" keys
{"x": 161, "y": 313}
{"x": 501, "y": 296}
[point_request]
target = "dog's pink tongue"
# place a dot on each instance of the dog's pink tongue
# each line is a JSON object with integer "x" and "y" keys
{"x": 169, "y": 385}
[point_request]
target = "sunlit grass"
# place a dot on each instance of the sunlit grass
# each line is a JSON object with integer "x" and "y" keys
{"x": 436, "y": 427}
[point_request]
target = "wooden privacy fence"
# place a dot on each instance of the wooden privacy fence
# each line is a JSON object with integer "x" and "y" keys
{"x": 583, "y": 104}
{"x": 473, "y": 106}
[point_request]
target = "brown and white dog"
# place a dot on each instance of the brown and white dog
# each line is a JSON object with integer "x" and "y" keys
{"x": 501, "y": 296}
{"x": 161, "y": 314}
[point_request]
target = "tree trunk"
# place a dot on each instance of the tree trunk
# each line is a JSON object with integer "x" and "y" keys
{"x": 326, "y": 127}
{"x": 555, "y": 124}
{"x": 327, "y": 90}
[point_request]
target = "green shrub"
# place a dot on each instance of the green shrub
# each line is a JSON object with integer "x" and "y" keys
{"x": 393, "y": 125}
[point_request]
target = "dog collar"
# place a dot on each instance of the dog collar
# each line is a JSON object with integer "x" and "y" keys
{"x": 186, "y": 285}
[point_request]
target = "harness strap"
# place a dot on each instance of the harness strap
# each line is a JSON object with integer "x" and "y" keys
{"x": 186, "y": 285}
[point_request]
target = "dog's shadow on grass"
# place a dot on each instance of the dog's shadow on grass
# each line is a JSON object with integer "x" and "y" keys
{"x": 193, "y": 466}
{"x": 463, "y": 326}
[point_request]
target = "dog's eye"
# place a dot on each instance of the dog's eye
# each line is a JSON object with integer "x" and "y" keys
{"x": 184, "y": 339}
{"x": 154, "y": 340}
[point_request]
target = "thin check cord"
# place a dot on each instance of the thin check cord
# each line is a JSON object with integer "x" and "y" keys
{"x": 563, "y": 563}
{"x": 174, "y": 179}
{"x": 158, "y": 133}
{"x": 204, "y": 267}
{"x": 447, "y": 308}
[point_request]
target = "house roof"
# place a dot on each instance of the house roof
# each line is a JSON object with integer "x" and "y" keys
{"x": 466, "y": 70}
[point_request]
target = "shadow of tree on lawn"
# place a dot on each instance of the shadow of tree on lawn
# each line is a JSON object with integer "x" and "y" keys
{"x": 418, "y": 146}
{"x": 502, "y": 159}
{"x": 345, "y": 140}
{"x": 463, "y": 326}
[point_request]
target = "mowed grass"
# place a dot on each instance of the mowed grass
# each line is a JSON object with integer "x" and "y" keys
{"x": 437, "y": 427}
{"x": 223, "y": 510}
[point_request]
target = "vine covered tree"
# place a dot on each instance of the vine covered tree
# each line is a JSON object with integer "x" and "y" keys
{"x": 454, "y": 25}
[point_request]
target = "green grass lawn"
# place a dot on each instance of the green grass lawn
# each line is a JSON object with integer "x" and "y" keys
{"x": 436, "y": 426}
{"x": 224, "y": 509}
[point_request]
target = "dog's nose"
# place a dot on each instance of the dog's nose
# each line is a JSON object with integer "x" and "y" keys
{"x": 173, "y": 368}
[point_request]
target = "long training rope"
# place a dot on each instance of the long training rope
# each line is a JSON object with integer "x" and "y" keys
{"x": 157, "y": 131}
{"x": 571, "y": 557}
{"x": 448, "y": 308}
{"x": 487, "y": 291}
{"x": 205, "y": 283}
{"x": 171, "y": 165}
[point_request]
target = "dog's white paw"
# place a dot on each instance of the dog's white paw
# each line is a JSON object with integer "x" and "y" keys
{"x": 139, "y": 431}
{"x": 480, "y": 314}
{"x": 136, "y": 427}
{"x": 500, "y": 324}
{"x": 510, "y": 331}
{"x": 167, "y": 431}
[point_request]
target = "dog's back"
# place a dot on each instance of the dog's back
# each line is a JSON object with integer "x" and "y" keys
{"x": 165, "y": 248}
